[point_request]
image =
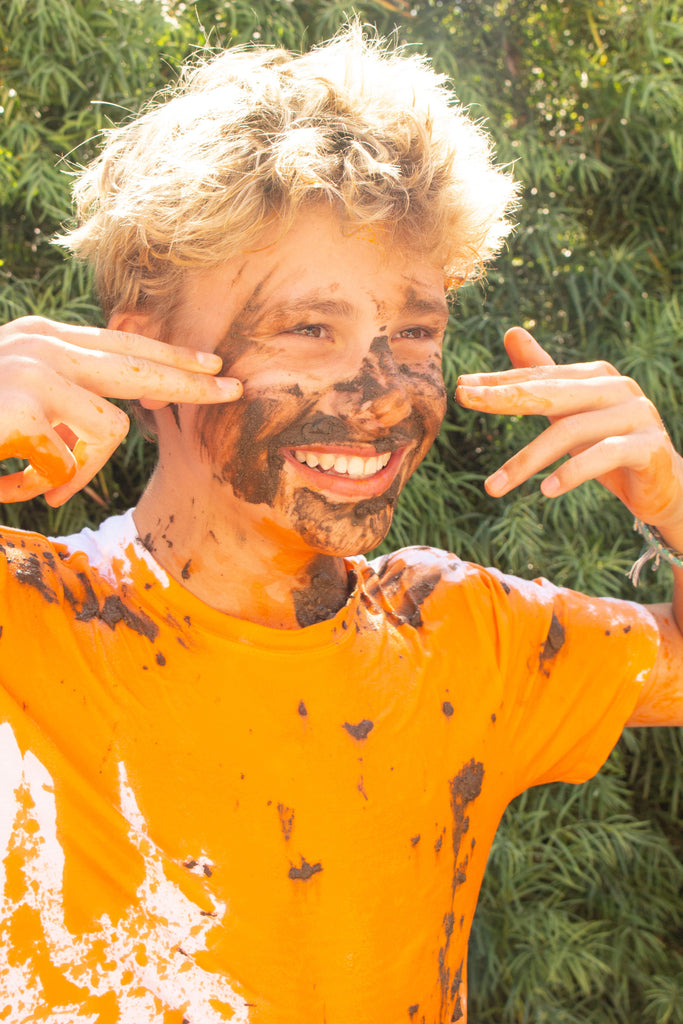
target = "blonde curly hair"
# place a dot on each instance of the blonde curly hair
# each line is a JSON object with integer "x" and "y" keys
{"x": 250, "y": 137}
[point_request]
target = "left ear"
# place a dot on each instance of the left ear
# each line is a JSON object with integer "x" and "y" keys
{"x": 135, "y": 323}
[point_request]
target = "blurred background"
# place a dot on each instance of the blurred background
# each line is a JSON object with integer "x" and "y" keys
{"x": 581, "y": 915}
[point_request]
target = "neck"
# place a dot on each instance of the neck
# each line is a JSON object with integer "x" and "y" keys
{"x": 250, "y": 570}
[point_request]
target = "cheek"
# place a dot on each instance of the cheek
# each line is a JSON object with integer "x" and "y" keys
{"x": 428, "y": 395}
{"x": 237, "y": 440}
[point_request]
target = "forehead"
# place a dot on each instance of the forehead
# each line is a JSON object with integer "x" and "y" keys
{"x": 320, "y": 263}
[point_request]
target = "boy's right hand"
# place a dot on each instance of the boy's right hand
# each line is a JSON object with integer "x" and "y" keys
{"x": 53, "y": 381}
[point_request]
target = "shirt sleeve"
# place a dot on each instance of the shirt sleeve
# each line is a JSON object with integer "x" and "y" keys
{"x": 572, "y": 669}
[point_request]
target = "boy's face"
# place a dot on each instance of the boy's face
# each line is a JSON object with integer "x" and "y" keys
{"x": 337, "y": 341}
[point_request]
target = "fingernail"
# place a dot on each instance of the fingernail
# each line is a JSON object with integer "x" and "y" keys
{"x": 230, "y": 386}
{"x": 550, "y": 486}
{"x": 209, "y": 359}
{"x": 498, "y": 482}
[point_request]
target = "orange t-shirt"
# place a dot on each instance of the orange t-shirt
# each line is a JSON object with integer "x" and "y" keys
{"x": 206, "y": 820}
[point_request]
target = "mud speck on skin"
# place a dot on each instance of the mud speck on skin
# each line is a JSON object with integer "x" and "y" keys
{"x": 412, "y": 1010}
{"x": 361, "y": 730}
{"x": 447, "y": 708}
{"x": 185, "y": 571}
{"x": 160, "y": 659}
{"x": 302, "y": 709}
{"x": 553, "y": 642}
{"x": 304, "y": 872}
{"x": 414, "y": 840}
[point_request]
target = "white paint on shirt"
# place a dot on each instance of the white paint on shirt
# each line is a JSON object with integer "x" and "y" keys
{"x": 108, "y": 549}
{"x": 146, "y": 958}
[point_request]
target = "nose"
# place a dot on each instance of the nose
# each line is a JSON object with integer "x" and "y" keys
{"x": 377, "y": 394}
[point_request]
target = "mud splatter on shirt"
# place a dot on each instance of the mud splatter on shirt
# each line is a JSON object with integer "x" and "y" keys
{"x": 208, "y": 819}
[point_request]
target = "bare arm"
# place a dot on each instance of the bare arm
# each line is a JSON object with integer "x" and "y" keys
{"x": 611, "y": 433}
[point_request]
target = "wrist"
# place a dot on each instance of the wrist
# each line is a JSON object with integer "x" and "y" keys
{"x": 657, "y": 548}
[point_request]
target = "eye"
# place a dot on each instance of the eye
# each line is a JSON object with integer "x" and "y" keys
{"x": 310, "y": 330}
{"x": 418, "y": 334}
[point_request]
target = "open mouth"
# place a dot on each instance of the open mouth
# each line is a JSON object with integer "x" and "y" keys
{"x": 352, "y": 474}
{"x": 353, "y": 467}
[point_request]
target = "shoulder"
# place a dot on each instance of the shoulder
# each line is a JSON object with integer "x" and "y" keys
{"x": 421, "y": 583}
{"x": 31, "y": 560}
{"x": 91, "y": 575}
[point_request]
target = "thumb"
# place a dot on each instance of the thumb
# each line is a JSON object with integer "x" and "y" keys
{"x": 524, "y": 350}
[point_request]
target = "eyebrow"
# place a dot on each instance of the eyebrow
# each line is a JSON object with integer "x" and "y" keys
{"x": 415, "y": 304}
{"x": 312, "y": 303}
{"x": 318, "y": 303}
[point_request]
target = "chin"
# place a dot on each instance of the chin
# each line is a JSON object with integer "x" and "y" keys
{"x": 342, "y": 530}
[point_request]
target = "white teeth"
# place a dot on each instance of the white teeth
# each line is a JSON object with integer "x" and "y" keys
{"x": 356, "y": 466}
{"x": 353, "y": 466}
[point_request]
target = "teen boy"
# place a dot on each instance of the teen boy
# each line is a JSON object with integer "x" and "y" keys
{"x": 247, "y": 776}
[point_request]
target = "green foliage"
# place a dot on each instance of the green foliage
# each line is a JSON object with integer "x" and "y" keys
{"x": 580, "y": 917}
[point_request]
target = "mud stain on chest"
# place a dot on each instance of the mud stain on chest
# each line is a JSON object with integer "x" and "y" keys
{"x": 112, "y": 611}
{"x": 323, "y": 592}
{"x": 305, "y": 871}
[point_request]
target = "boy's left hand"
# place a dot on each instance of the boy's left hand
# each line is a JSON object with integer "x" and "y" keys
{"x": 601, "y": 420}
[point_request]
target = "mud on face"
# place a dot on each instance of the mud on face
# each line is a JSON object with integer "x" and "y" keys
{"x": 244, "y": 442}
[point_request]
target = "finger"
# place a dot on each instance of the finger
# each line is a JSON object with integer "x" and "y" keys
{"x": 100, "y": 428}
{"x": 569, "y": 371}
{"x": 523, "y": 349}
{"x": 569, "y": 435}
{"x": 39, "y": 434}
{"x": 124, "y": 376}
{"x": 38, "y": 477}
{"x": 90, "y": 457}
{"x": 99, "y": 339}
{"x": 181, "y": 388}
{"x": 549, "y": 397}
{"x": 50, "y": 460}
{"x": 630, "y": 451}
